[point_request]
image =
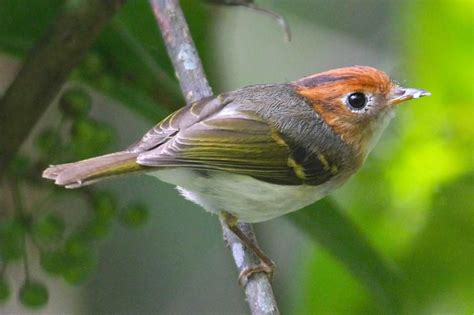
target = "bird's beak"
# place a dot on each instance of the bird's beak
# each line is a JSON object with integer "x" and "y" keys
{"x": 401, "y": 94}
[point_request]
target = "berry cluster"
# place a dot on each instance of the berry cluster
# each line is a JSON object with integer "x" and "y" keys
{"x": 66, "y": 247}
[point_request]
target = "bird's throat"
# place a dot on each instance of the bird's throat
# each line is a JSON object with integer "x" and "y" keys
{"x": 361, "y": 136}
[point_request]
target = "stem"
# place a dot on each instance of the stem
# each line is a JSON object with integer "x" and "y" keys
{"x": 3, "y": 268}
{"x": 194, "y": 85}
{"x": 47, "y": 67}
{"x": 20, "y": 212}
{"x": 16, "y": 197}
{"x": 26, "y": 268}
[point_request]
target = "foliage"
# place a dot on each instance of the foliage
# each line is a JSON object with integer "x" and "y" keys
{"x": 67, "y": 249}
{"x": 33, "y": 294}
{"x": 417, "y": 208}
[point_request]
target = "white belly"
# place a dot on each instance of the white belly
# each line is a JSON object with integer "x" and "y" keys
{"x": 243, "y": 196}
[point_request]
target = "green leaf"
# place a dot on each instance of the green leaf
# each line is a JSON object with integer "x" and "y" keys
{"x": 49, "y": 228}
{"x": 53, "y": 262}
{"x": 91, "y": 138}
{"x": 34, "y": 294}
{"x": 79, "y": 265}
{"x": 105, "y": 205}
{"x": 325, "y": 224}
{"x": 75, "y": 103}
{"x": 97, "y": 228}
{"x": 135, "y": 215}
{"x": 128, "y": 62}
{"x": 18, "y": 30}
{"x": 12, "y": 232}
{"x": 441, "y": 261}
{"x": 5, "y": 291}
{"x": 80, "y": 260}
{"x": 20, "y": 166}
{"x": 77, "y": 275}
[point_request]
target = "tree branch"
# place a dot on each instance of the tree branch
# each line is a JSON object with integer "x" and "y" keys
{"x": 181, "y": 50}
{"x": 194, "y": 85}
{"x": 47, "y": 67}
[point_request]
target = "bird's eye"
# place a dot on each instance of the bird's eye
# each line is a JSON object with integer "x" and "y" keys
{"x": 357, "y": 100}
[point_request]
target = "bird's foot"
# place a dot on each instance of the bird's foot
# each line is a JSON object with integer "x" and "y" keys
{"x": 266, "y": 265}
{"x": 249, "y": 271}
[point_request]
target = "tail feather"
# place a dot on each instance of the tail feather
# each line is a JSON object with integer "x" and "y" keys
{"x": 86, "y": 172}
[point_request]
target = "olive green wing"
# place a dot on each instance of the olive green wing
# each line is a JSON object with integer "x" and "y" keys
{"x": 178, "y": 120}
{"x": 238, "y": 142}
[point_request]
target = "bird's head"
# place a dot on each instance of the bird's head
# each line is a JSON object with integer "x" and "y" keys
{"x": 356, "y": 102}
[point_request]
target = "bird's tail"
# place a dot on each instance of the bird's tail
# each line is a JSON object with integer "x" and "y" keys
{"x": 86, "y": 172}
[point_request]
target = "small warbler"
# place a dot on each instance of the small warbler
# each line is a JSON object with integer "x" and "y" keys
{"x": 262, "y": 151}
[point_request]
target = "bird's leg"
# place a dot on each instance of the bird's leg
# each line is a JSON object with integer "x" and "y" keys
{"x": 266, "y": 264}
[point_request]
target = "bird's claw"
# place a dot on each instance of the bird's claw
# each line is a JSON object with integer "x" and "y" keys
{"x": 249, "y": 271}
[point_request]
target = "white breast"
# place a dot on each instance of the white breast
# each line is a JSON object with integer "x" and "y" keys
{"x": 249, "y": 199}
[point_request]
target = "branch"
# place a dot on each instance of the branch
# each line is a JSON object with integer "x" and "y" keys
{"x": 194, "y": 85}
{"x": 181, "y": 49}
{"x": 47, "y": 67}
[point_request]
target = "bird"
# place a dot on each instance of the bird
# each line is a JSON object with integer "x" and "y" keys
{"x": 261, "y": 151}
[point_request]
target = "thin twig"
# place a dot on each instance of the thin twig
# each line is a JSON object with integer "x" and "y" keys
{"x": 47, "y": 67}
{"x": 251, "y": 5}
{"x": 194, "y": 85}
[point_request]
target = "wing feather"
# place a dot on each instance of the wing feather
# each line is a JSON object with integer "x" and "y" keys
{"x": 180, "y": 119}
{"x": 232, "y": 141}
{"x": 216, "y": 134}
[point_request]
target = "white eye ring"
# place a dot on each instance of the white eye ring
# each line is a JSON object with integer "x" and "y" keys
{"x": 358, "y": 101}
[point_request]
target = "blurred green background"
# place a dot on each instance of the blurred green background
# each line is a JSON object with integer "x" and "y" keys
{"x": 413, "y": 200}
